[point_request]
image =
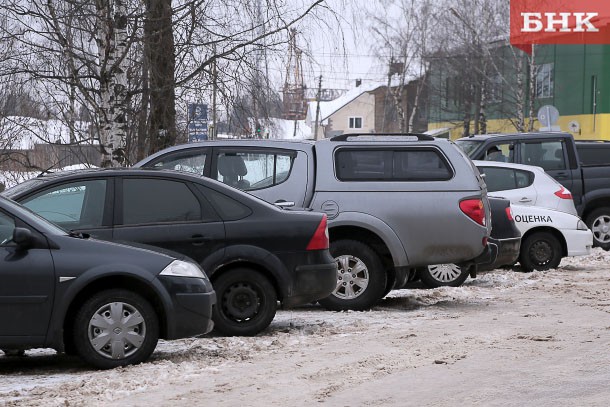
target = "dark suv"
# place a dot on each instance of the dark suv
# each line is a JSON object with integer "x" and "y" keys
{"x": 255, "y": 253}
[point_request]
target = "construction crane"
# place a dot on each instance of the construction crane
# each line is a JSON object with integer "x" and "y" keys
{"x": 294, "y": 103}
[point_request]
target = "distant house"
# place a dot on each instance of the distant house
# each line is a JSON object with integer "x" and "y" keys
{"x": 368, "y": 108}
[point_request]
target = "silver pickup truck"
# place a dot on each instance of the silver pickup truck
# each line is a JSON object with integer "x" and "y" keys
{"x": 394, "y": 202}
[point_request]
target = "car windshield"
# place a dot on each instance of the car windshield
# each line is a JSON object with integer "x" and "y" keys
{"x": 468, "y": 146}
{"x": 24, "y": 186}
{"x": 33, "y": 219}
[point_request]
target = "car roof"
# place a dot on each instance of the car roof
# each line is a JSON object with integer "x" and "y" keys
{"x": 267, "y": 143}
{"x": 114, "y": 172}
{"x": 526, "y": 167}
{"x": 154, "y": 172}
{"x": 483, "y": 137}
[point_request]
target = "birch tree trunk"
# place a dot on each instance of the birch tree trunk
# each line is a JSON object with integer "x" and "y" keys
{"x": 532, "y": 88}
{"x": 520, "y": 96}
{"x": 112, "y": 43}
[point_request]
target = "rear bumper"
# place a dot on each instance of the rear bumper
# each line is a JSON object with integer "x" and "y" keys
{"x": 191, "y": 309}
{"x": 311, "y": 283}
{"x": 487, "y": 256}
{"x": 579, "y": 242}
{"x": 507, "y": 253}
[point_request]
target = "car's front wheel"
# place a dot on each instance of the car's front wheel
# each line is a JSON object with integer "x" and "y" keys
{"x": 361, "y": 277}
{"x": 540, "y": 251}
{"x": 247, "y": 302}
{"x": 115, "y": 328}
{"x": 442, "y": 275}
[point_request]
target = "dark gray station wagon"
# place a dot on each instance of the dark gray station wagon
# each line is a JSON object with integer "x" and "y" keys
{"x": 255, "y": 253}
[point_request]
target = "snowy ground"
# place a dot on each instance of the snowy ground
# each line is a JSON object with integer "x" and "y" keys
{"x": 505, "y": 338}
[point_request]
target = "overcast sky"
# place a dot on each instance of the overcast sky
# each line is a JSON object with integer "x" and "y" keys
{"x": 337, "y": 46}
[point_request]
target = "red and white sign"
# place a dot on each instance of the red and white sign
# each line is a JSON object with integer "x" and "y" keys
{"x": 559, "y": 22}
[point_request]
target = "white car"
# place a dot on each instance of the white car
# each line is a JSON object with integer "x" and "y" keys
{"x": 548, "y": 236}
{"x": 525, "y": 185}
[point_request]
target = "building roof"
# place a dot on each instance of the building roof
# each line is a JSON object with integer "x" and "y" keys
{"x": 328, "y": 108}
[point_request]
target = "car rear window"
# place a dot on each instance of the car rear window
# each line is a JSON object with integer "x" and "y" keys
{"x": 502, "y": 179}
{"x": 227, "y": 207}
{"x": 419, "y": 164}
{"x": 594, "y": 154}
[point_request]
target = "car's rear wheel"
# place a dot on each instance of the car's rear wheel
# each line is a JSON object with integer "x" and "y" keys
{"x": 540, "y": 251}
{"x": 361, "y": 277}
{"x": 442, "y": 275}
{"x": 115, "y": 328}
{"x": 246, "y": 302}
{"x": 599, "y": 223}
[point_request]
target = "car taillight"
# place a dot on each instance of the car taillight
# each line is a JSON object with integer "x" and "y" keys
{"x": 564, "y": 193}
{"x": 474, "y": 209}
{"x": 509, "y": 213}
{"x": 319, "y": 240}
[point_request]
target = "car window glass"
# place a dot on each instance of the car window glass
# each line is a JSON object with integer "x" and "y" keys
{"x": 7, "y": 226}
{"x": 390, "y": 165}
{"x": 188, "y": 162}
{"x": 253, "y": 170}
{"x": 502, "y": 152}
{"x": 158, "y": 201}
{"x": 593, "y": 154}
{"x": 546, "y": 154}
{"x": 499, "y": 179}
{"x": 420, "y": 165}
{"x": 73, "y": 205}
{"x": 227, "y": 207}
{"x": 503, "y": 179}
{"x": 524, "y": 178}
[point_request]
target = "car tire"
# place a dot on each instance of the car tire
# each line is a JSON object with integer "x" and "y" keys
{"x": 599, "y": 223}
{"x": 356, "y": 290}
{"x": 442, "y": 275}
{"x": 124, "y": 318}
{"x": 247, "y": 302}
{"x": 540, "y": 251}
{"x": 390, "y": 283}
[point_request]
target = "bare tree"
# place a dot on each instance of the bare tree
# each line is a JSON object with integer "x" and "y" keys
{"x": 129, "y": 65}
{"x": 403, "y": 32}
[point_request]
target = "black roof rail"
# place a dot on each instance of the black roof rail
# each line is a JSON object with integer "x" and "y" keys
{"x": 420, "y": 137}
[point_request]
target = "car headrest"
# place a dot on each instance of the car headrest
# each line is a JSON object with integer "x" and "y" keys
{"x": 231, "y": 165}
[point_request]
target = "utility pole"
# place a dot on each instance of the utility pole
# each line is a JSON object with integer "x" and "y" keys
{"x": 315, "y": 134}
{"x": 214, "y": 131}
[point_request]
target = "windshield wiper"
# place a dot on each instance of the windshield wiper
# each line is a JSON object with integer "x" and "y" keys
{"x": 79, "y": 235}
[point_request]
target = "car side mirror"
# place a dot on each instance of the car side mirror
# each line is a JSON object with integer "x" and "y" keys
{"x": 23, "y": 237}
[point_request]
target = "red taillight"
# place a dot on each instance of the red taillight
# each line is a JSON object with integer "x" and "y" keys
{"x": 474, "y": 209}
{"x": 564, "y": 193}
{"x": 509, "y": 213}
{"x": 319, "y": 240}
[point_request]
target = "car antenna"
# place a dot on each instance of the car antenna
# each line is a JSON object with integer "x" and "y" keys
{"x": 45, "y": 171}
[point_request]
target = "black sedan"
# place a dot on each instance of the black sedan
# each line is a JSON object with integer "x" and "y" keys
{"x": 504, "y": 235}
{"x": 108, "y": 303}
{"x": 255, "y": 253}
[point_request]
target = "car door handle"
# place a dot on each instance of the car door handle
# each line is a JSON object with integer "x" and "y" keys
{"x": 283, "y": 204}
{"x": 525, "y": 200}
{"x": 561, "y": 175}
{"x": 198, "y": 240}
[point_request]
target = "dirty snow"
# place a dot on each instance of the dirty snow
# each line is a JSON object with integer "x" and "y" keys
{"x": 504, "y": 338}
